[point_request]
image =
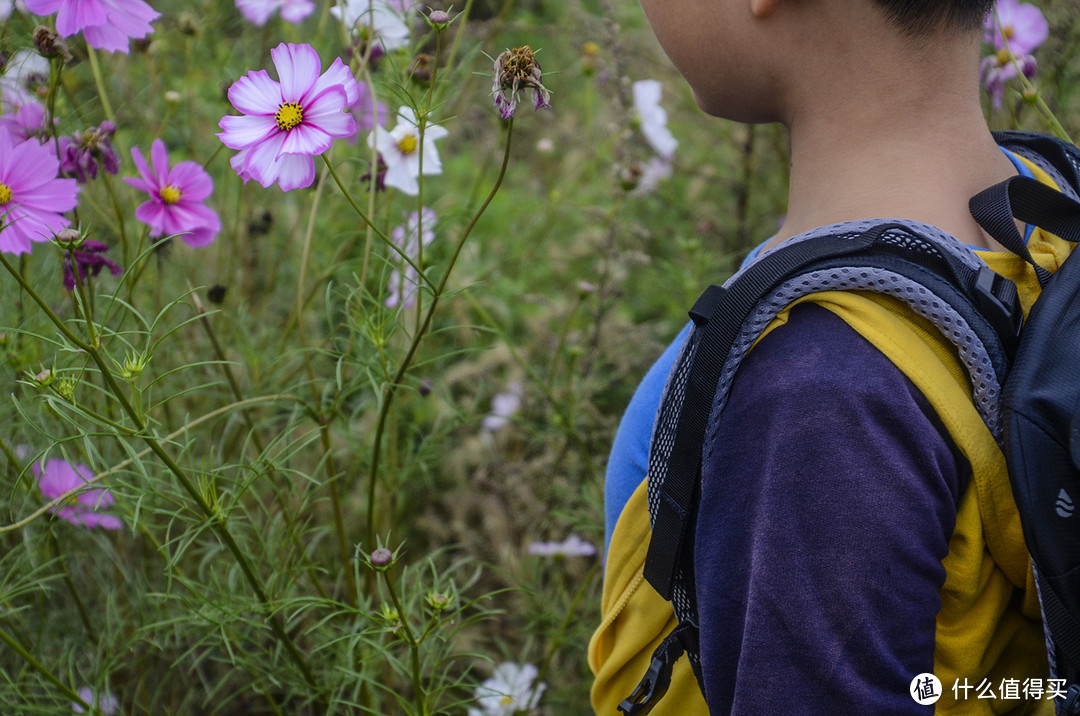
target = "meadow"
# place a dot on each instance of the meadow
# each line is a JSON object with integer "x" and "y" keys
{"x": 332, "y": 439}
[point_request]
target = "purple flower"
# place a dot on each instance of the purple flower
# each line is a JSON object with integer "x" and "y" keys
{"x": 60, "y": 477}
{"x": 285, "y": 124}
{"x": 81, "y": 152}
{"x": 105, "y": 703}
{"x": 32, "y": 198}
{"x": 368, "y": 112}
{"x": 408, "y": 237}
{"x": 572, "y": 546}
{"x": 259, "y": 11}
{"x": 503, "y": 406}
{"x": 25, "y": 122}
{"x": 1016, "y": 26}
{"x": 90, "y": 258}
{"x": 999, "y": 68}
{"x": 515, "y": 72}
{"x": 105, "y": 24}
{"x": 177, "y": 197}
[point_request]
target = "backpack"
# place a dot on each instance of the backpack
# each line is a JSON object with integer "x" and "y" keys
{"x": 1025, "y": 379}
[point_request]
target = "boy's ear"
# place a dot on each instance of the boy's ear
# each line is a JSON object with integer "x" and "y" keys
{"x": 762, "y": 9}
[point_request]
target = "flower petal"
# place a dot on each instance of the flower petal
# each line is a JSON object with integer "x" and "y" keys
{"x": 192, "y": 180}
{"x": 256, "y": 94}
{"x": 243, "y": 131}
{"x": 298, "y": 68}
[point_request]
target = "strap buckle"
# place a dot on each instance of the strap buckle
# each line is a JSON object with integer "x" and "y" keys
{"x": 1006, "y": 318}
{"x": 650, "y": 689}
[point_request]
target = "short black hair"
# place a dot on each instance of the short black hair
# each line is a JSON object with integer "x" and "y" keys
{"x": 915, "y": 17}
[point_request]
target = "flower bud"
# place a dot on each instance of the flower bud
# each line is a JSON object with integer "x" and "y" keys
{"x": 439, "y": 19}
{"x": 69, "y": 239}
{"x": 381, "y": 558}
{"x": 437, "y": 601}
{"x": 44, "y": 379}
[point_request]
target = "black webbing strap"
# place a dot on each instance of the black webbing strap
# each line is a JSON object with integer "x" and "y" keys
{"x": 678, "y": 487}
{"x": 1032, "y": 202}
{"x": 1063, "y": 627}
{"x": 684, "y": 638}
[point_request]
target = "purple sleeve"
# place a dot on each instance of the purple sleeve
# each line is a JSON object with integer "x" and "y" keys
{"x": 824, "y": 520}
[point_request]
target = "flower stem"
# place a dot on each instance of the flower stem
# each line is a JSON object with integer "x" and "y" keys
{"x": 99, "y": 81}
{"x": 21, "y": 651}
{"x": 390, "y": 389}
{"x": 211, "y": 513}
{"x": 410, "y": 639}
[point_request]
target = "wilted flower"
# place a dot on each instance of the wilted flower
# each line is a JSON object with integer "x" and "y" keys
{"x": 59, "y": 477}
{"x": 32, "y": 198}
{"x": 105, "y": 24}
{"x": 652, "y": 118}
{"x": 81, "y": 152}
{"x": 106, "y": 703}
{"x": 285, "y": 124}
{"x": 1016, "y": 26}
{"x": 503, "y": 406}
{"x": 572, "y": 546}
{"x": 49, "y": 44}
{"x": 419, "y": 228}
{"x": 387, "y": 22}
{"x": 509, "y": 691}
{"x": 90, "y": 258}
{"x": 259, "y": 11}
{"x": 177, "y": 197}
{"x": 517, "y": 71}
{"x": 401, "y": 148}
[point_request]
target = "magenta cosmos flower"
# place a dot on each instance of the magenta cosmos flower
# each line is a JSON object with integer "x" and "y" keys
{"x": 259, "y": 11}
{"x": 32, "y": 198}
{"x": 105, "y": 24}
{"x": 284, "y": 124}
{"x": 1022, "y": 27}
{"x": 177, "y": 197}
{"x": 59, "y": 477}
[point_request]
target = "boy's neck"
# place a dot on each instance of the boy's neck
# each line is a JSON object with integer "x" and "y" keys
{"x": 919, "y": 155}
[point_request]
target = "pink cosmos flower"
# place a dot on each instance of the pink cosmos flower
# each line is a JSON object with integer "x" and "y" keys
{"x": 26, "y": 121}
{"x": 285, "y": 124}
{"x": 999, "y": 68}
{"x": 59, "y": 477}
{"x": 259, "y": 11}
{"x": 32, "y": 198}
{"x": 105, "y": 24}
{"x": 402, "y": 284}
{"x": 177, "y": 197}
{"x": 1019, "y": 25}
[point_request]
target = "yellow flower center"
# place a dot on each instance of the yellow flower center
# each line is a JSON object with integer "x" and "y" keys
{"x": 1008, "y": 32}
{"x": 170, "y": 194}
{"x": 407, "y": 144}
{"x": 506, "y": 700}
{"x": 1004, "y": 57}
{"x": 5, "y": 194}
{"x": 289, "y": 115}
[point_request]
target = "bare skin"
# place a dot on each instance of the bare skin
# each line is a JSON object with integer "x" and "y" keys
{"x": 882, "y": 125}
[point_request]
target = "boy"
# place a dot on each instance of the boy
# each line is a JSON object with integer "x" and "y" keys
{"x": 856, "y": 526}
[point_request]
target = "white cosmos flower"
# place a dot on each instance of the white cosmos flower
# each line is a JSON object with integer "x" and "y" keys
{"x": 388, "y": 20}
{"x": 509, "y": 691}
{"x": 653, "y": 118}
{"x": 572, "y": 546}
{"x": 503, "y": 407}
{"x": 400, "y": 148}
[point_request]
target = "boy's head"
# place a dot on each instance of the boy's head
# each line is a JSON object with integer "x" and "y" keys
{"x": 915, "y": 17}
{"x": 757, "y": 60}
